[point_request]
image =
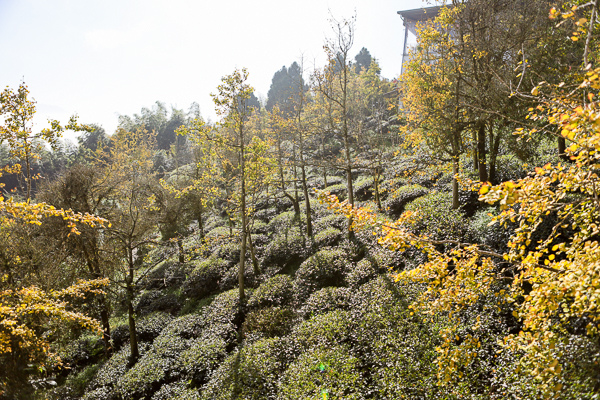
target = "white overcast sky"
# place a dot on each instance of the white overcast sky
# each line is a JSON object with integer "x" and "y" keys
{"x": 99, "y": 59}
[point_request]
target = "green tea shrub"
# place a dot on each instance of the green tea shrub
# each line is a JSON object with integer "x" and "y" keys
{"x": 331, "y": 373}
{"x": 436, "y": 218}
{"x": 249, "y": 373}
{"x": 154, "y": 300}
{"x": 110, "y": 372}
{"x": 284, "y": 248}
{"x": 285, "y": 221}
{"x": 339, "y": 190}
{"x": 176, "y": 391}
{"x": 396, "y": 349}
{"x": 326, "y": 300}
{"x": 167, "y": 273}
{"x": 147, "y": 328}
{"x": 363, "y": 188}
{"x": 324, "y": 330}
{"x": 397, "y": 200}
{"x": 360, "y": 274}
{"x": 75, "y": 384}
{"x": 268, "y": 322}
{"x": 494, "y": 236}
{"x": 228, "y": 251}
{"x": 202, "y": 357}
{"x": 220, "y": 232}
{"x": 330, "y": 220}
{"x": 325, "y": 268}
{"x": 83, "y": 351}
{"x": 274, "y": 292}
{"x": 157, "y": 366}
{"x": 206, "y": 277}
{"x": 328, "y": 237}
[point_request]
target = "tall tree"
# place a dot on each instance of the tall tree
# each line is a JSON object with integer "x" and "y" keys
{"x": 362, "y": 60}
{"x": 333, "y": 83}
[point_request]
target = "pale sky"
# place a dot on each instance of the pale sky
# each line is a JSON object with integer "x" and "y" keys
{"x": 99, "y": 59}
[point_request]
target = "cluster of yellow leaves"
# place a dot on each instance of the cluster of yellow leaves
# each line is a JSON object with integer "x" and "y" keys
{"x": 24, "y": 311}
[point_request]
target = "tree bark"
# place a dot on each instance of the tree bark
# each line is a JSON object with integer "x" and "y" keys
{"x": 562, "y": 147}
{"x": 483, "y": 176}
{"x": 495, "y": 141}
{"x": 455, "y": 203}
{"x": 133, "y": 342}
{"x": 255, "y": 264}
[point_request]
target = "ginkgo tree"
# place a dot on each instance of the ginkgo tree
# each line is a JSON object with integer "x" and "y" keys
{"x": 549, "y": 278}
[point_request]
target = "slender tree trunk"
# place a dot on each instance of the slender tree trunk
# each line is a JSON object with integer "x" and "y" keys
{"x": 180, "y": 249}
{"x": 244, "y": 222}
{"x": 309, "y": 229}
{"x": 324, "y": 168}
{"x": 133, "y": 342}
{"x": 28, "y": 177}
{"x": 483, "y": 176}
{"x": 475, "y": 155}
{"x": 104, "y": 318}
{"x": 562, "y": 147}
{"x": 253, "y": 254}
{"x": 495, "y": 141}
{"x": 377, "y": 195}
{"x": 199, "y": 218}
{"x": 455, "y": 203}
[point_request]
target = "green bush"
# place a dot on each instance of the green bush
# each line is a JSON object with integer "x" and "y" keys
{"x": 285, "y": 221}
{"x": 328, "y": 237}
{"x": 202, "y": 357}
{"x": 167, "y": 273}
{"x": 436, "y": 218}
{"x": 274, "y": 292}
{"x": 217, "y": 232}
{"x": 154, "y": 300}
{"x": 176, "y": 391}
{"x": 109, "y": 373}
{"x": 325, "y": 268}
{"x": 494, "y": 236}
{"x": 323, "y": 373}
{"x": 157, "y": 366}
{"x": 228, "y": 251}
{"x": 250, "y": 373}
{"x": 259, "y": 227}
{"x": 339, "y": 190}
{"x": 326, "y": 300}
{"x": 231, "y": 278}
{"x": 76, "y": 383}
{"x": 284, "y": 248}
{"x": 101, "y": 393}
{"x": 360, "y": 274}
{"x": 397, "y": 200}
{"x": 83, "y": 351}
{"x": 363, "y": 188}
{"x": 147, "y": 328}
{"x": 324, "y": 330}
{"x": 206, "y": 277}
{"x": 188, "y": 326}
{"x": 268, "y": 322}
{"x": 222, "y": 317}
{"x": 330, "y": 220}
{"x": 396, "y": 349}
{"x": 150, "y": 326}
{"x": 265, "y": 215}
